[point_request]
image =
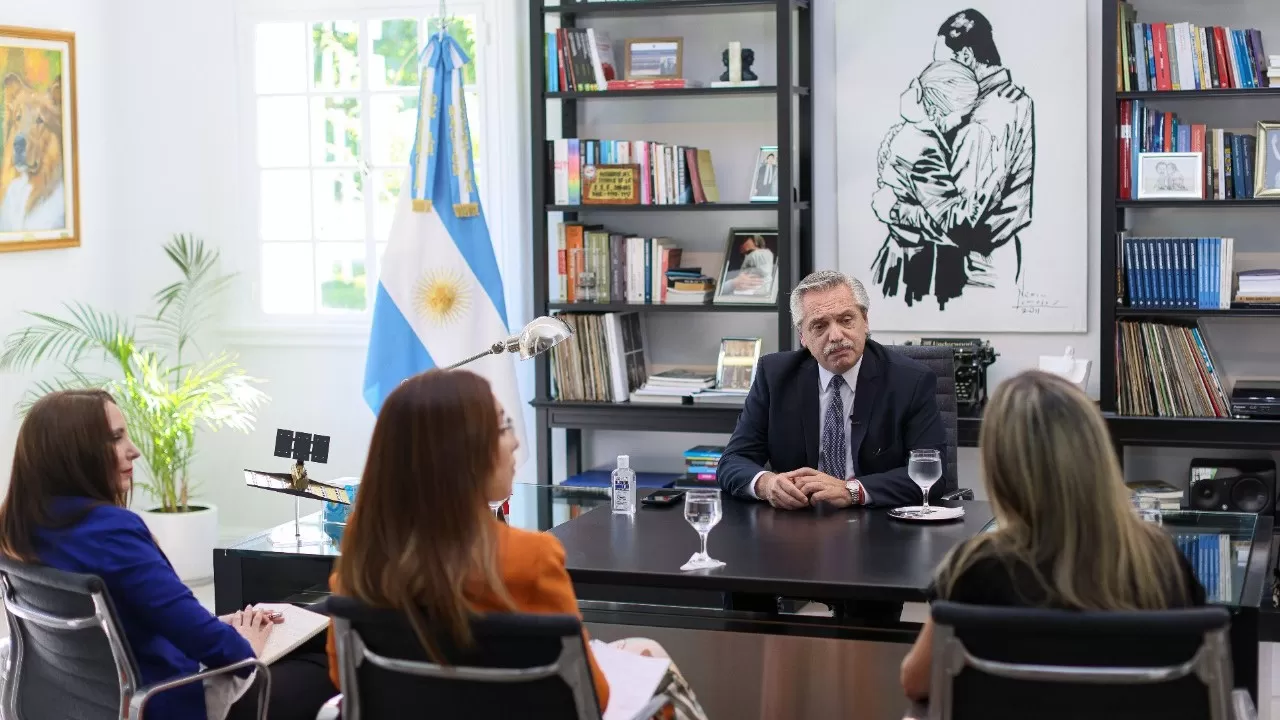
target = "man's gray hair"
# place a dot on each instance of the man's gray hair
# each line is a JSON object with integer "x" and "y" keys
{"x": 825, "y": 280}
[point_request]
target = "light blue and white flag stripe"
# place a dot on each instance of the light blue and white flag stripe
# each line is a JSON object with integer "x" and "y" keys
{"x": 440, "y": 297}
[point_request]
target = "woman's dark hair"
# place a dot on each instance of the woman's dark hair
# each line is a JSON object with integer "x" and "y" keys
{"x": 420, "y": 537}
{"x": 65, "y": 449}
{"x": 971, "y": 29}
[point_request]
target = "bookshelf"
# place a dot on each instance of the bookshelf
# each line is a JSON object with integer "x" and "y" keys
{"x": 792, "y": 115}
{"x": 1117, "y": 216}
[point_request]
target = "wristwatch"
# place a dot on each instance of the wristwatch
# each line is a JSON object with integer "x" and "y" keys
{"x": 855, "y": 491}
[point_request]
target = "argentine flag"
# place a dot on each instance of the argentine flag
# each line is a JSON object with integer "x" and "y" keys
{"x": 440, "y": 296}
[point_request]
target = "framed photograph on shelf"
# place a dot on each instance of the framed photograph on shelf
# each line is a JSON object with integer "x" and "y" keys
{"x": 654, "y": 58}
{"x": 1174, "y": 176}
{"x": 1266, "y": 168}
{"x": 39, "y": 172}
{"x": 764, "y": 181}
{"x": 737, "y": 363}
{"x": 750, "y": 273}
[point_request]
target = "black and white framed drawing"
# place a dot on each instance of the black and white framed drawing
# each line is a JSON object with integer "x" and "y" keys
{"x": 750, "y": 273}
{"x": 764, "y": 181}
{"x": 1266, "y": 174}
{"x": 962, "y": 176}
{"x": 1164, "y": 176}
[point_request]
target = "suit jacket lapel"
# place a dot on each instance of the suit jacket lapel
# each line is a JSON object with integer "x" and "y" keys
{"x": 809, "y": 410}
{"x": 864, "y": 399}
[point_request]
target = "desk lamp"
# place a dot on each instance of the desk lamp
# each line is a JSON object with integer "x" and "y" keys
{"x": 539, "y": 336}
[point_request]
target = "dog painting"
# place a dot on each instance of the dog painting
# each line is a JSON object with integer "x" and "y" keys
{"x": 38, "y": 169}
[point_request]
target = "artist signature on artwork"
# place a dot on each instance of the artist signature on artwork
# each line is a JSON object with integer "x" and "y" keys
{"x": 1032, "y": 303}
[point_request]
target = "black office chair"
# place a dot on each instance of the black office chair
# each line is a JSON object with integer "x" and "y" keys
{"x": 68, "y": 657}
{"x": 527, "y": 665}
{"x": 1002, "y": 662}
{"x": 941, "y": 360}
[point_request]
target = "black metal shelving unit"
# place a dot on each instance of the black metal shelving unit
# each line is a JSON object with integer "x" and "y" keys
{"x": 794, "y": 120}
{"x": 1162, "y": 431}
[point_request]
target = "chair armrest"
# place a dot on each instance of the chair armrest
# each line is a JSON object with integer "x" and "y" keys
{"x": 332, "y": 709}
{"x": 143, "y": 695}
{"x": 651, "y": 708}
{"x": 1242, "y": 707}
{"x": 961, "y": 494}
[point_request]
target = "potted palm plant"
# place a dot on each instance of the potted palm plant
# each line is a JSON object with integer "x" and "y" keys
{"x": 166, "y": 388}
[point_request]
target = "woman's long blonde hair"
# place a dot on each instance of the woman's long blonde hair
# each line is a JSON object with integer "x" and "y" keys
{"x": 1061, "y": 504}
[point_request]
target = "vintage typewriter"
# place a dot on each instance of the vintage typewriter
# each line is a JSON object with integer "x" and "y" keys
{"x": 972, "y": 358}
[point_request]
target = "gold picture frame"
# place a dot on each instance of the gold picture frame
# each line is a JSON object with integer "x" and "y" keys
{"x": 39, "y": 143}
{"x": 660, "y": 58}
{"x": 736, "y": 366}
{"x": 1267, "y": 160}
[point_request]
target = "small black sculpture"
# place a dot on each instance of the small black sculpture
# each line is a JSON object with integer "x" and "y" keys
{"x": 748, "y": 57}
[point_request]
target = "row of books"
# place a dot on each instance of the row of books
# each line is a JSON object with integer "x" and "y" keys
{"x": 604, "y": 361}
{"x": 1213, "y": 559}
{"x": 1166, "y": 370}
{"x": 595, "y": 265}
{"x": 1184, "y": 56}
{"x": 578, "y": 59}
{"x": 669, "y": 174}
{"x": 1178, "y": 272}
{"x": 1228, "y": 167}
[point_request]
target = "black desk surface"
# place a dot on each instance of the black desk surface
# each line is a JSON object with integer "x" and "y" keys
{"x": 815, "y": 553}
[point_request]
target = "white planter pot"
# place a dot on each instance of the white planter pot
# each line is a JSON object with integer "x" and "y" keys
{"x": 187, "y": 539}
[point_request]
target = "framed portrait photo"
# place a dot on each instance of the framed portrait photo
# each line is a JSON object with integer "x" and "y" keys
{"x": 750, "y": 273}
{"x": 654, "y": 58}
{"x": 736, "y": 366}
{"x": 1170, "y": 176}
{"x": 764, "y": 180}
{"x": 1266, "y": 182}
{"x": 39, "y": 173}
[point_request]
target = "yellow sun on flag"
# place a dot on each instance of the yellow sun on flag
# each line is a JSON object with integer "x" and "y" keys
{"x": 442, "y": 296}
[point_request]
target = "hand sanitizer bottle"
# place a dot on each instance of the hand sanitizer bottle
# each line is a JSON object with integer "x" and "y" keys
{"x": 622, "y": 485}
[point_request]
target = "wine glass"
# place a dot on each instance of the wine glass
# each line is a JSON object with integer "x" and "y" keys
{"x": 702, "y": 511}
{"x": 925, "y": 467}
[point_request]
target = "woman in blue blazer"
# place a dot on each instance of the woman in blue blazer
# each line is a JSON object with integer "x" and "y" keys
{"x": 66, "y": 508}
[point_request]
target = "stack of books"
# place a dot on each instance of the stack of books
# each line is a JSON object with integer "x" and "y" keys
{"x": 671, "y": 387}
{"x": 688, "y": 286}
{"x": 1258, "y": 287}
{"x": 700, "y": 463}
{"x": 720, "y": 396}
{"x": 1167, "y": 496}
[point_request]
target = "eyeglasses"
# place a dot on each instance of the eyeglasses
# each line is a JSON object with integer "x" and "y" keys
{"x": 506, "y": 424}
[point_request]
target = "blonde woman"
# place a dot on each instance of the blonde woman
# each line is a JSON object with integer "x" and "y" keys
{"x": 1067, "y": 536}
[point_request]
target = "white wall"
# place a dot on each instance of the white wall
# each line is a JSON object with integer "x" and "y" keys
{"x": 42, "y": 280}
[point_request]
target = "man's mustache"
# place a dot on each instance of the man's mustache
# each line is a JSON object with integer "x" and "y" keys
{"x": 839, "y": 345}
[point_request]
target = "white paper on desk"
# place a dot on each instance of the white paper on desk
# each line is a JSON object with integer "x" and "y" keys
{"x": 633, "y": 679}
{"x": 299, "y": 626}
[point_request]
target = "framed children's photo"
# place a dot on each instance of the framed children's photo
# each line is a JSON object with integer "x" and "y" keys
{"x": 1171, "y": 176}
{"x": 654, "y": 58}
{"x": 737, "y": 363}
{"x": 750, "y": 273}
{"x": 764, "y": 182}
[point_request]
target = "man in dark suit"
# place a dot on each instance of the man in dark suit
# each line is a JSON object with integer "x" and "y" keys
{"x": 836, "y": 421}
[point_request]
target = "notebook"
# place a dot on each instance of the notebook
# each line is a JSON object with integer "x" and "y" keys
{"x": 633, "y": 679}
{"x": 299, "y": 626}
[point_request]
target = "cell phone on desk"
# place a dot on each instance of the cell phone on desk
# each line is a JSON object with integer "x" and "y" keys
{"x": 662, "y": 498}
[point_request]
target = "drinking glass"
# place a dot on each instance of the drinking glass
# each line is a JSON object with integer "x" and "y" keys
{"x": 925, "y": 467}
{"x": 702, "y": 510}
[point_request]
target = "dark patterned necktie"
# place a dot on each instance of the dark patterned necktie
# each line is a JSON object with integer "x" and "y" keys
{"x": 832, "y": 458}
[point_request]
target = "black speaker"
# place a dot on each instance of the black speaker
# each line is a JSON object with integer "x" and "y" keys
{"x": 1232, "y": 486}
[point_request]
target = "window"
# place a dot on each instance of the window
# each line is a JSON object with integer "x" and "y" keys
{"x": 334, "y": 101}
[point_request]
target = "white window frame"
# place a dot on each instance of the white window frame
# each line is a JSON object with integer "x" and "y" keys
{"x": 502, "y": 163}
